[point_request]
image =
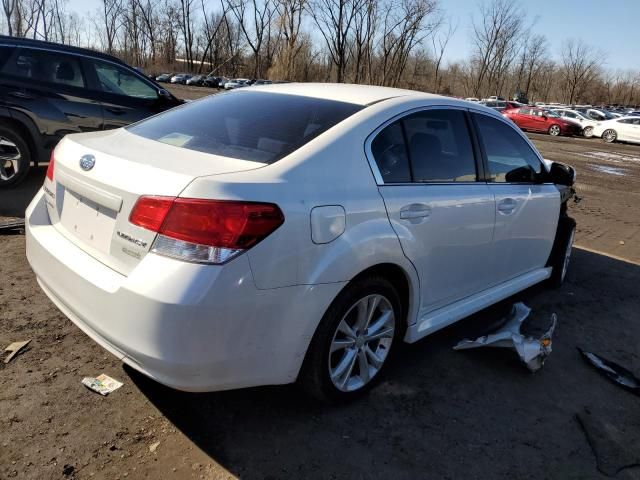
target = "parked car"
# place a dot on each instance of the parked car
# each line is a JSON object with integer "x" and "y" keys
{"x": 201, "y": 268}
{"x": 262, "y": 82}
{"x": 520, "y": 97}
{"x": 501, "y": 105}
{"x": 196, "y": 80}
{"x": 222, "y": 82}
{"x": 625, "y": 129}
{"x": 472, "y": 99}
{"x": 498, "y": 105}
{"x": 48, "y": 90}
{"x": 583, "y": 120}
{"x": 539, "y": 120}
{"x": 180, "y": 78}
{"x": 164, "y": 78}
{"x": 236, "y": 83}
{"x": 211, "y": 81}
{"x": 595, "y": 113}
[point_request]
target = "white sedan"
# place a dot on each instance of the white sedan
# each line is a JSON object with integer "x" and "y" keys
{"x": 319, "y": 227}
{"x": 625, "y": 129}
{"x": 583, "y": 120}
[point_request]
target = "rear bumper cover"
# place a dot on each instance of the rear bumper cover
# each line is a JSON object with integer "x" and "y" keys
{"x": 191, "y": 327}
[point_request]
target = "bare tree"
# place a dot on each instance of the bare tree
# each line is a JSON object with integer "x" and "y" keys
{"x": 579, "y": 67}
{"x": 439, "y": 43}
{"x": 404, "y": 27}
{"x": 496, "y": 38}
{"x": 334, "y": 19}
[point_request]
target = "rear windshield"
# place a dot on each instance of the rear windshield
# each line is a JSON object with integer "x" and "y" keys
{"x": 258, "y": 126}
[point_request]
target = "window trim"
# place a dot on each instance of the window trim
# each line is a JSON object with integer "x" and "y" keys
{"x": 485, "y": 160}
{"x": 480, "y": 168}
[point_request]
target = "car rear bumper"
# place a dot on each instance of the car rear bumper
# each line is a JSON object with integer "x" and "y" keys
{"x": 191, "y": 327}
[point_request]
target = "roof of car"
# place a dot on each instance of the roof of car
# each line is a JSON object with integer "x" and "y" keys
{"x": 343, "y": 92}
{"x": 28, "y": 42}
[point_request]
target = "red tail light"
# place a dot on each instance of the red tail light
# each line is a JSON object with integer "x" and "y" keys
{"x": 50, "y": 168}
{"x": 209, "y": 231}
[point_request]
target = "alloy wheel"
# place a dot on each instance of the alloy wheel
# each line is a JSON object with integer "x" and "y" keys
{"x": 609, "y": 136}
{"x": 10, "y": 157}
{"x": 588, "y": 132}
{"x": 361, "y": 343}
{"x": 554, "y": 130}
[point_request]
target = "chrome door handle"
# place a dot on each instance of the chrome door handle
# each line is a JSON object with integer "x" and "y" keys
{"x": 507, "y": 206}
{"x": 415, "y": 210}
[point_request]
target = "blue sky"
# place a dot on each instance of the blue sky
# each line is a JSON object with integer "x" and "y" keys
{"x": 611, "y": 25}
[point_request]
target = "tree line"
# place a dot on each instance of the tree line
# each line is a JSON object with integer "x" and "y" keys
{"x": 398, "y": 43}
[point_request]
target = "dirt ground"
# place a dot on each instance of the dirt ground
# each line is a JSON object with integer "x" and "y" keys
{"x": 436, "y": 414}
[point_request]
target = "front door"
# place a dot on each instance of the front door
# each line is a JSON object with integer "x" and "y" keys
{"x": 126, "y": 98}
{"x": 526, "y": 209}
{"x": 442, "y": 215}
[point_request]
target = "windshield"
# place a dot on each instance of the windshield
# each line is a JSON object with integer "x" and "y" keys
{"x": 551, "y": 113}
{"x": 258, "y": 126}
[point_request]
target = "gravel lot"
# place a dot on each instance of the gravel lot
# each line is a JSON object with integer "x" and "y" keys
{"x": 437, "y": 414}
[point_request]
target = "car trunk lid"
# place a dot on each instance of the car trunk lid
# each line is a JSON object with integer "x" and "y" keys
{"x": 98, "y": 178}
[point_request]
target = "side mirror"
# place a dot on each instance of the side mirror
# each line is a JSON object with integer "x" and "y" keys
{"x": 545, "y": 117}
{"x": 562, "y": 174}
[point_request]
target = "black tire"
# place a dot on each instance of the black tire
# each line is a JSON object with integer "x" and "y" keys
{"x": 314, "y": 375}
{"x": 609, "y": 135}
{"x": 12, "y": 144}
{"x": 561, "y": 251}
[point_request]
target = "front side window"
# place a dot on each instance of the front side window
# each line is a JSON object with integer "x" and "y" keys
{"x": 43, "y": 66}
{"x": 509, "y": 156}
{"x": 440, "y": 146}
{"x": 113, "y": 79}
{"x": 249, "y": 125}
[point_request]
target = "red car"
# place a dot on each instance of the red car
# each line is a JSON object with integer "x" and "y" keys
{"x": 539, "y": 120}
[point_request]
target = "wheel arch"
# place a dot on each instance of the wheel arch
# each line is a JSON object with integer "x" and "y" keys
{"x": 398, "y": 277}
{"x": 26, "y": 132}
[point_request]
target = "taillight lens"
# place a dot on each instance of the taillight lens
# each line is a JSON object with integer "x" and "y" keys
{"x": 51, "y": 167}
{"x": 205, "y": 231}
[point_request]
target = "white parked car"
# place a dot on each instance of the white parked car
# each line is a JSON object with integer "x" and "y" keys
{"x": 236, "y": 83}
{"x": 625, "y": 129}
{"x": 583, "y": 120}
{"x": 319, "y": 227}
{"x": 472, "y": 99}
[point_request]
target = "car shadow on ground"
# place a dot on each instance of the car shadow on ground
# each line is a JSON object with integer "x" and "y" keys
{"x": 15, "y": 200}
{"x": 439, "y": 413}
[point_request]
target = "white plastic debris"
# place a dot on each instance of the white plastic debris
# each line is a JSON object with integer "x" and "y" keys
{"x": 532, "y": 351}
{"x": 14, "y": 349}
{"x": 103, "y": 384}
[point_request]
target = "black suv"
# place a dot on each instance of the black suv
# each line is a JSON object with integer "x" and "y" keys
{"x": 48, "y": 90}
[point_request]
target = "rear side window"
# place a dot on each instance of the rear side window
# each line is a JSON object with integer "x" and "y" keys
{"x": 390, "y": 153}
{"x": 440, "y": 147}
{"x": 5, "y": 53}
{"x": 257, "y": 126}
{"x": 44, "y": 66}
{"x": 510, "y": 157}
{"x": 427, "y": 146}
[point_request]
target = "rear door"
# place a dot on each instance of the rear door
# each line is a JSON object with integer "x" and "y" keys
{"x": 526, "y": 210}
{"x": 50, "y": 87}
{"x": 125, "y": 96}
{"x": 441, "y": 213}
